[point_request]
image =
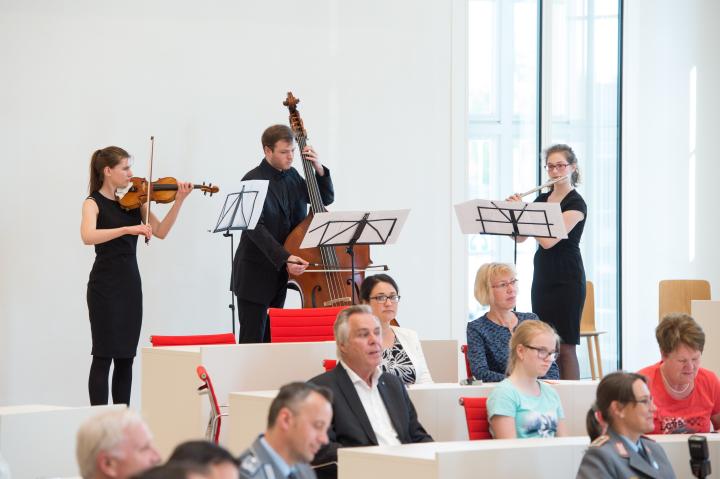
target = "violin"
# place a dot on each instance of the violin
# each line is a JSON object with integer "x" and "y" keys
{"x": 163, "y": 190}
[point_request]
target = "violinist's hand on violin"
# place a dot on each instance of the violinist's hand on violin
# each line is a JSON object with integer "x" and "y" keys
{"x": 140, "y": 230}
{"x": 296, "y": 265}
{"x": 184, "y": 189}
{"x": 514, "y": 197}
{"x": 310, "y": 154}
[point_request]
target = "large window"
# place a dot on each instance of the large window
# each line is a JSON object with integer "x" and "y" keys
{"x": 543, "y": 72}
{"x": 502, "y": 154}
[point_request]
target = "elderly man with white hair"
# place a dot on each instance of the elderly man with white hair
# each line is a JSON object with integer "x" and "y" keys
{"x": 370, "y": 407}
{"x": 115, "y": 444}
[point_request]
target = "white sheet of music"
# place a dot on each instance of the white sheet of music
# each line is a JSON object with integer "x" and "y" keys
{"x": 498, "y": 217}
{"x": 338, "y": 227}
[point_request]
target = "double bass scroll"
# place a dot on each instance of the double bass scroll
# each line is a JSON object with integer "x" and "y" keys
{"x": 330, "y": 285}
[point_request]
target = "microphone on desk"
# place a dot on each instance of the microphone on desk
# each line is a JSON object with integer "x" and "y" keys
{"x": 699, "y": 456}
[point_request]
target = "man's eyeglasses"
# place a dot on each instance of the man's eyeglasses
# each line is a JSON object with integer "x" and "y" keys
{"x": 381, "y": 298}
{"x": 543, "y": 353}
{"x": 505, "y": 284}
{"x": 559, "y": 166}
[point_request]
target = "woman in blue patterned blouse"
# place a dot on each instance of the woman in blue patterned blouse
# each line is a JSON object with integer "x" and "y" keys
{"x": 488, "y": 337}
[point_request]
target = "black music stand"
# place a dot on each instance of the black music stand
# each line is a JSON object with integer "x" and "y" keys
{"x": 350, "y": 228}
{"x": 511, "y": 218}
{"x": 240, "y": 212}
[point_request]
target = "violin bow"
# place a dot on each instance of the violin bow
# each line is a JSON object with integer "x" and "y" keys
{"x": 149, "y": 186}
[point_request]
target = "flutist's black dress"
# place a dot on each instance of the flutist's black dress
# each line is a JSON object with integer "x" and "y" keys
{"x": 558, "y": 288}
{"x": 114, "y": 293}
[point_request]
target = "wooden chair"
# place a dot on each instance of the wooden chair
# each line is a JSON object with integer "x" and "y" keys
{"x": 676, "y": 294}
{"x": 589, "y": 332}
{"x": 302, "y": 325}
{"x": 476, "y": 417}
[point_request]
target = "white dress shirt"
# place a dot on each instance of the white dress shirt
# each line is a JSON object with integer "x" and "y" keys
{"x": 374, "y": 407}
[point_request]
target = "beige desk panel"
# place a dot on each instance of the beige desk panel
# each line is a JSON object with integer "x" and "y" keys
{"x": 39, "y": 440}
{"x": 529, "y": 458}
{"x": 436, "y": 405}
{"x": 176, "y": 413}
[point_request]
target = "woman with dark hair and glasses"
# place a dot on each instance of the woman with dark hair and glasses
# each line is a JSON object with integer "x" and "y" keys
{"x": 622, "y": 413}
{"x": 558, "y": 288}
{"x": 488, "y": 336}
{"x": 402, "y": 352}
{"x": 521, "y": 406}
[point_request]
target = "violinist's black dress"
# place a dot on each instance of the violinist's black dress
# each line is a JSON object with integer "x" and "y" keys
{"x": 114, "y": 294}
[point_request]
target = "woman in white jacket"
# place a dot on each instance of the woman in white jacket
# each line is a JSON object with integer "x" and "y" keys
{"x": 402, "y": 352}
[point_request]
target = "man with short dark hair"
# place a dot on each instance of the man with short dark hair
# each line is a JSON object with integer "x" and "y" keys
{"x": 179, "y": 470}
{"x": 297, "y": 428}
{"x": 370, "y": 407}
{"x": 218, "y": 460}
{"x": 262, "y": 264}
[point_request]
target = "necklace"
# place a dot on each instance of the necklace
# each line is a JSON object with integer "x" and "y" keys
{"x": 677, "y": 392}
{"x": 497, "y": 319}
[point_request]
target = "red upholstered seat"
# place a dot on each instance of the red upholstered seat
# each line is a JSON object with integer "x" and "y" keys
{"x": 476, "y": 417}
{"x": 192, "y": 340}
{"x": 468, "y": 370}
{"x": 329, "y": 364}
{"x": 302, "y": 325}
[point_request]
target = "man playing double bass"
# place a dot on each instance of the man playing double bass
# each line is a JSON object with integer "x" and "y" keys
{"x": 261, "y": 264}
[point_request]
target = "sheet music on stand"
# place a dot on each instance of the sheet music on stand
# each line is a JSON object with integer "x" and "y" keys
{"x": 511, "y": 218}
{"x": 350, "y": 228}
{"x": 240, "y": 212}
{"x": 338, "y": 228}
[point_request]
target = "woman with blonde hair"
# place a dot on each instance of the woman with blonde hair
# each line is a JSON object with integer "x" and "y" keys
{"x": 521, "y": 406}
{"x": 488, "y": 336}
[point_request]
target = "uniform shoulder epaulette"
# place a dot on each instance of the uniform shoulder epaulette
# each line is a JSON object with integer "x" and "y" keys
{"x": 249, "y": 464}
{"x": 600, "y": 440}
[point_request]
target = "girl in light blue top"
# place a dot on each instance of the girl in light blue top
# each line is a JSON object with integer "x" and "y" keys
{"x": 521, "y": 406}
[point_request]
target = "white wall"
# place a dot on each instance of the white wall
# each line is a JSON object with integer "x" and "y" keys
{"x": 670, "y": 217}
{"x": 382, "y": 93}
{"x": 206, "y": 78}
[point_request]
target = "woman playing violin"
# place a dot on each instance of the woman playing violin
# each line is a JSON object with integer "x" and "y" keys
{"x": 114, "y": 293}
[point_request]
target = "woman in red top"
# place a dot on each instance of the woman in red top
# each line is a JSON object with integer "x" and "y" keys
{"x": 687, "y": 396}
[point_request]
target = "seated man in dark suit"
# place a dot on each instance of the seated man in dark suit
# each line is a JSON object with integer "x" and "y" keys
{"x": 369, "y": 407}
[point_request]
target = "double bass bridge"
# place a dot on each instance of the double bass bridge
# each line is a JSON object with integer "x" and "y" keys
{"x": 337, "y": 302}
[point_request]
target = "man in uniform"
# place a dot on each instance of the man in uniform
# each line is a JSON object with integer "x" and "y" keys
{"x": 298, "y": 424}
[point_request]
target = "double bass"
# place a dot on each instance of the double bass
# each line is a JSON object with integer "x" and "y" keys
{"x": 329, "y": 283}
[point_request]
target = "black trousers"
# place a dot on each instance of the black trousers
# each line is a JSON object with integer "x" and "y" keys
{"x": 254, "y": 321}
